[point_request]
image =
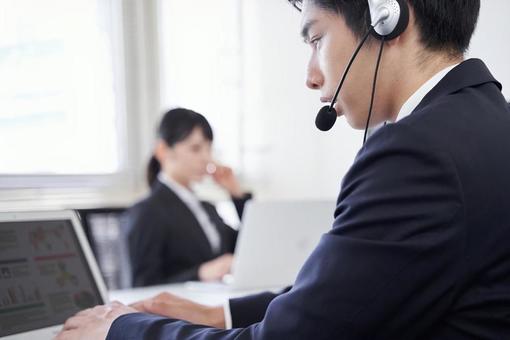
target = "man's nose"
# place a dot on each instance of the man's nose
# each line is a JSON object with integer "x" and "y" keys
{"x": 314, "y": 78}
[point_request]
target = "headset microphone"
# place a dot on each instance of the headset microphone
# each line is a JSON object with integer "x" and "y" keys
{"x": 326, "y": 118}
{"x": 388, "y": 18}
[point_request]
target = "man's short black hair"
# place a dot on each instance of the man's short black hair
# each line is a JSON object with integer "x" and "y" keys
{"x": 445, "y": 25}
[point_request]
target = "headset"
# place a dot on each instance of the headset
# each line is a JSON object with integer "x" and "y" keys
{"x": 387, "y": 20}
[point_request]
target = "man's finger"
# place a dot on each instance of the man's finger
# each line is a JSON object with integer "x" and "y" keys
{"x": 75, "y": 322}
{"x": 148, "y": 305}
{"x": 84, "y": 312}
{"x": 66, "y": 335}
{"x": 139, "y": 305}
{"x": 159, "y": 307}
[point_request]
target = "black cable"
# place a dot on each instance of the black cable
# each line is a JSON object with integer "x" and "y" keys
{"x": 373, "y": 89}
{"x": 333, "y": 101}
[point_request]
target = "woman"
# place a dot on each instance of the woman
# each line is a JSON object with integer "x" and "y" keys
{"x": 172, "y": 236}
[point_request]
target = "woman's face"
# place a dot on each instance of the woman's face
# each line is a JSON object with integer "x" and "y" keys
{"x": 186, "y": 161}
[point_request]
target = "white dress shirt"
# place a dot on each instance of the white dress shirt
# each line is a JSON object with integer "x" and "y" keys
{"x": 193, "y": 203}
{"x": 418, "y": 96}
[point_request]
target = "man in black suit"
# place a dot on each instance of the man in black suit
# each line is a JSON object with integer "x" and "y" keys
{"x": 419, "y": 246}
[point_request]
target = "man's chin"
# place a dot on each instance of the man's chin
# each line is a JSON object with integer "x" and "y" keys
{"x": 357, "y": 124}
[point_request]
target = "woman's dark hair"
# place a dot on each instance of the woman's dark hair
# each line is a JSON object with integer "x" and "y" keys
{"x": 445, "y": 25}
{"x": 175, "y": 126}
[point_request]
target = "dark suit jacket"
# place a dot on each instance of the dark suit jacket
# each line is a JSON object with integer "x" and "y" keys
{"x": 166, "y": 242}
{"x": 420, "y": 246}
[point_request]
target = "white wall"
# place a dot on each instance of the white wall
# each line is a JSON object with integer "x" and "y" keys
{"x": 285, "y": 155}
{"x": 491, "y": 40}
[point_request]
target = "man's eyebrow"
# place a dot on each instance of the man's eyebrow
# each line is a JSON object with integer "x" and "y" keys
{"x": 306, "y": 29}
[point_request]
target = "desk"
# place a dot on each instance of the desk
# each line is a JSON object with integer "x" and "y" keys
{"x": 204, "y": 293}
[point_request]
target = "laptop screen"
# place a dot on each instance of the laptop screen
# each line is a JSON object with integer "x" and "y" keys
{"x": 44, "y": 276}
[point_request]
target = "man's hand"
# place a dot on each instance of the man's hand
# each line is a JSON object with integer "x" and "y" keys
{"x": 93, "y": 323}
{"x": 214, "y": 270}
{"x": 174, "y": 307}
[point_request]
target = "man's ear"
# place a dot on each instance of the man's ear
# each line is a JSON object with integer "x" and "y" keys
{"x": 394, "y": 42}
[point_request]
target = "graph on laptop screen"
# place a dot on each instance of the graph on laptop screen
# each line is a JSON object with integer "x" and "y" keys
{"x": 44, "y": 277}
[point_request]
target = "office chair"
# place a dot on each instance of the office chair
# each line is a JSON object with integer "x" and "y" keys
{"x": 104, "y": 230}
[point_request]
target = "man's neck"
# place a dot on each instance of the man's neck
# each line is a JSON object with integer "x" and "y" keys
{"x": 415, "y": 77}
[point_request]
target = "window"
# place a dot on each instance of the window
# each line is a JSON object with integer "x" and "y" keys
{"x": 59, "y": 104}
{"x": 201, "y": 66}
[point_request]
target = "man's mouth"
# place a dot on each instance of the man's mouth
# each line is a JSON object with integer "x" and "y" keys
{"x": 328, "y": 100}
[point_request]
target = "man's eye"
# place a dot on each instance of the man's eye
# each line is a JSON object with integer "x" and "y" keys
{"x": 315, "y": 42}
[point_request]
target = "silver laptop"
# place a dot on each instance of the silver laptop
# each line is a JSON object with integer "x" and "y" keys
{"x": 47, "y": 273}
{"x": 275, "y": 240}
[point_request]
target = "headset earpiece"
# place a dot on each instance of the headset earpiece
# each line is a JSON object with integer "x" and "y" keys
{"x": 390, "y": 17}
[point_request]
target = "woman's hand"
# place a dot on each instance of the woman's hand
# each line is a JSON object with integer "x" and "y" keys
{"x": 214, "y": 270}
{"x": 226, "y": 178}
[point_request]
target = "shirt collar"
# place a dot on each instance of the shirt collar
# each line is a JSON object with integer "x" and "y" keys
{"x": 180, "y": 190}
{"x": 413, "y": 101}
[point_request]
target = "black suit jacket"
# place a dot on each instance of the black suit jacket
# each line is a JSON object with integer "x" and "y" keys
{"x": 166, "y": 242}
{"x": 420, "y": 246}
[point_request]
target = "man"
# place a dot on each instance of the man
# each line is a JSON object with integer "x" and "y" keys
{"x": 419, "y": 246}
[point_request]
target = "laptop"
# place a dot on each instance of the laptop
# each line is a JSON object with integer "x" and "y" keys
{"x": 274, "y": 242}
{"x": 47, "y": 273}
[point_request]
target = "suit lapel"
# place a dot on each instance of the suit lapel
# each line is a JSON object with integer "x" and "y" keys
{"x": 176, "y": 210}
{"x": 469, "y": 73}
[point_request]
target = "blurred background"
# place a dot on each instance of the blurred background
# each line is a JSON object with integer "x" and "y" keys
{"x": 84, "y": 83}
